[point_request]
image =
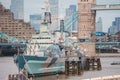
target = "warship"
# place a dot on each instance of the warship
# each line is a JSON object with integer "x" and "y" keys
{"x": 43, "y": 55}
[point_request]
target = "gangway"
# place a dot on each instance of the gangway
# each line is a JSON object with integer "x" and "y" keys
{"x": 11, "y": 38}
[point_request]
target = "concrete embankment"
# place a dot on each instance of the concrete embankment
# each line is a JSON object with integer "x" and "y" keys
{"x": 114, "y": 77}
{"x": 108, "y": 55}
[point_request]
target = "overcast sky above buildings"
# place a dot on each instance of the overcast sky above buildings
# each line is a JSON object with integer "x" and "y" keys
{"x": 34, "y": 7}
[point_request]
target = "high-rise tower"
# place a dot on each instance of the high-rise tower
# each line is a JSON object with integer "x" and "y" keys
{"x": 69, "y": 12}
{"x": 54, "y": 5}
{"x": 115, "y": 27}
{"x": 86, "y": 26}
{"x": 99, "y": 25}
{"x": 35, "y": 21}
{"x": 17, "y": 7}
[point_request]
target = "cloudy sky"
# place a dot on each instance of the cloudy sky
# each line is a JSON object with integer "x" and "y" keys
{"x": 34, "y": 7}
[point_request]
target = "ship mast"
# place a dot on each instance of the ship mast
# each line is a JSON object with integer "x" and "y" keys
{"x": 47, "y": 15}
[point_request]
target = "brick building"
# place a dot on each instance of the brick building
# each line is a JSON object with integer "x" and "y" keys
{"x": 14, "y": 27}
{"x": 86, "y": 25}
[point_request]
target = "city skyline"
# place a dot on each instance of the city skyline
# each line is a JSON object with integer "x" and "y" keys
{"x": 115, "y": 27}
{"x": 107, "y": 16}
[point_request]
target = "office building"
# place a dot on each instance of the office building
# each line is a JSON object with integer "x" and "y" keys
{"x": 115, "y": 27}
{"x": 112, "y": 30}
{"x": 54, "y": 5}
{"x": 99, "y": 25}
{"x": 17, "y": 7}
{"x": 35, "y": 21}
{"x": 117, "y": 21}
{"x": 70, "y": 10}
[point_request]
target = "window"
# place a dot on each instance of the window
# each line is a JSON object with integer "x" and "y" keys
{"x": 83, "y": 6}
{"x": 82, "y": 40}
{"x": 84, "y": 35}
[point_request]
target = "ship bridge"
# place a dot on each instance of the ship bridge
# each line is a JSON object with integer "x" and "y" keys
{"x": 106, "y": 7}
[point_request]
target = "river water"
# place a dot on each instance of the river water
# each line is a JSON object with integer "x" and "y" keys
{"x": 7, "y": 67}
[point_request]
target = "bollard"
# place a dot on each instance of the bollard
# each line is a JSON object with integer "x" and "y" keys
{"x": 17, "y": 77}
{"x": 57, "y": 76}
{"x": 12, "y": 77}
{"x": 9, "y": 77}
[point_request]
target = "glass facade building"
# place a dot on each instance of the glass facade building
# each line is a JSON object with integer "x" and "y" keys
{"x": 54, "y": 9}
{"x": 99, "y": 25}
{"x": 69, "y": 12}
{"x": 35, "y": 21}
{"x": 115, "y": 26}
{"x": 17, "y": 7}
{"x": 117, "y": 21}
